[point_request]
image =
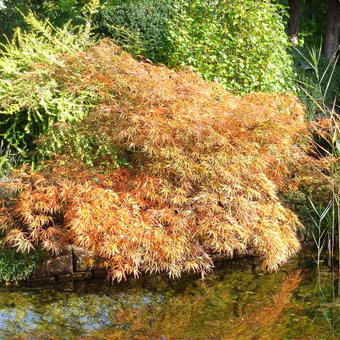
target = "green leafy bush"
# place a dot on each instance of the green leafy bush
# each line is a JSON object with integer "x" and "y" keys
{"x": 32, "y": 100}
{"x": 140, "y": 26}
{"x": 241, "y": 44}
{"x": 58, "y": 12}
{"x": 16, "y": 266}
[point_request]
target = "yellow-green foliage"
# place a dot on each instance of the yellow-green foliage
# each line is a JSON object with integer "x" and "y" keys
{"x": 31, "y": 99}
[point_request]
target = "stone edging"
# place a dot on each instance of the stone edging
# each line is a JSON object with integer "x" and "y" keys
{"x": 74, "y": 263}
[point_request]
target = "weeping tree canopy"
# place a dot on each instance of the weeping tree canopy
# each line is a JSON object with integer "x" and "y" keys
{"x": 163, "y": 172}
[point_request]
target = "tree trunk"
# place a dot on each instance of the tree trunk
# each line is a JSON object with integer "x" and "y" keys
{"x": 294, "y": 18}
{"x": 331, "y": 42}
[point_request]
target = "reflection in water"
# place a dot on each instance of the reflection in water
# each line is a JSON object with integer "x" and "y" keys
{"x": 238, "y": 301}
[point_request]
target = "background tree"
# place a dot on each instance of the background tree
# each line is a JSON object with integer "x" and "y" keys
{"x": 314, "y": 21}
{"x": 331, "y": 44}
{"x": 294, "y": 20}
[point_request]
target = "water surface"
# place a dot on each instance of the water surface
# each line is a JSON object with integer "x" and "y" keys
{"x": 237, "y": 301}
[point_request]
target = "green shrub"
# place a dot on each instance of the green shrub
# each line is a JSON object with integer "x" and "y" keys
{"x": 16, "y": 266}
{"x": 139, "y": 26}
{"x": 32, "y": 100}
{"x": 238, "y": 43}
{"x": 58, "y": 12}
{"x": 241, "y": 44}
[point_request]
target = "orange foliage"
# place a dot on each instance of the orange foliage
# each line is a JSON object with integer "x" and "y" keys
{"x": 206, "y": 170}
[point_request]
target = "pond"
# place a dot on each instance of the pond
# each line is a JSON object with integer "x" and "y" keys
{"x": 237, "y": 301}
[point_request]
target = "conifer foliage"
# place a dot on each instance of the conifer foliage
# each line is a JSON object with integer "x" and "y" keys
{"x": 202, "y": 178}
